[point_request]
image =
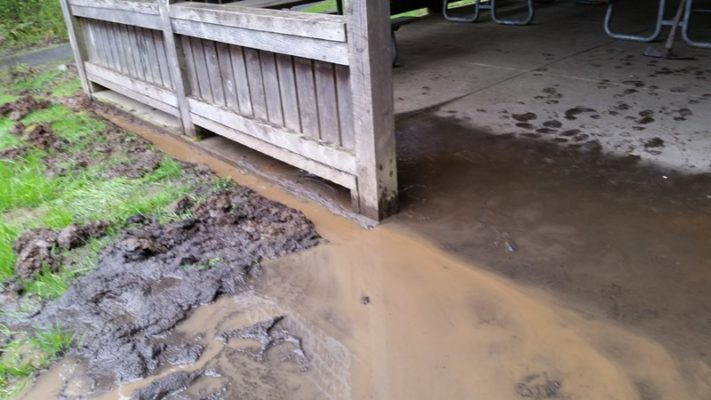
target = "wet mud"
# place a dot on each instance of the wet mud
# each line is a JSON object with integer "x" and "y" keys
{"x": 36, "y": 248}
{"x": 155, "y": 275}
{"x": 18, "y": 109}
{"x": 615, "y": 238}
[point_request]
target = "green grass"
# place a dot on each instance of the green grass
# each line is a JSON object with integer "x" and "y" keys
{"x": 22, "y": 355}
{"x": 26, "y": 23}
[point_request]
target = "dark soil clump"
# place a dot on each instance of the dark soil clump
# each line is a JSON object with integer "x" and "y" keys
{"x": 156, "y": 274}
{"x": 24, "y": 105}
{"x": 35, "y": 248}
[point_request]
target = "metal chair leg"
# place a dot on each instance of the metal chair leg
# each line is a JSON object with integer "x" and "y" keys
{"x": 464, "y": 18}
{"x": 660, "y": 23}
{"x": 524, "y": 21}
{"x": 478, "y": 6}
{"x": 685, "y": 27}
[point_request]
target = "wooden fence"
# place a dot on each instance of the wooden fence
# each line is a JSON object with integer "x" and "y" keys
{"x": 312, "y": 90}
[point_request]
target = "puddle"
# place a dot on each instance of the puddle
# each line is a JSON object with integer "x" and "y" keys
{"x": 394, "y": 312}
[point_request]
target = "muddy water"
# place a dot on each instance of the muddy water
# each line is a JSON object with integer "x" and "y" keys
{"x": 386, "y": 314}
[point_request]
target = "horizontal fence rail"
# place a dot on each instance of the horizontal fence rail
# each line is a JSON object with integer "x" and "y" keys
{"x": 277, "y": 81}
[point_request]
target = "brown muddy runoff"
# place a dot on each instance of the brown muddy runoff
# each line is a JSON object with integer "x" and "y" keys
{"x": 613, "y": 255}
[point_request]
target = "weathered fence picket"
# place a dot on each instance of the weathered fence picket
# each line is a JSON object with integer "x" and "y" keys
{"x": 311, "y": 90}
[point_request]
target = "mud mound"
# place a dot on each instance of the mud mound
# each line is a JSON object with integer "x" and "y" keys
{"x": 39, "y": 136}
{"x": 156, "y": 274}
{"x": 35, "y": 247}
{"x": 17, "y": 109}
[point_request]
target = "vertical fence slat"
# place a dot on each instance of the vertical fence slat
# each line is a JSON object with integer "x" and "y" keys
{"x": 153, "y": 64}
{"x": 345, "y": 107}
{"x": 227, "y": 76}
{"x": 190, "y": 66}
{"x": 239, "y": 69}
{"x": 117, "y": 49}
{"x": 271, "y": 87}
{"x": 126, "y": 45}
{"x": 162, "y": 60}
{"x": 305, "y": 86}
{"x": 89, "y": 39}
{"x": 327, "y": 102}
{"x": 256, "y": 83}
{"x": 106, "y": 56}
{"x": 111, "y": 47}
{"x": 201, "y": 69}
{"x": 213, "y": 73}
{"x": 287, "y": 87}
{"x": 100, "y": 45}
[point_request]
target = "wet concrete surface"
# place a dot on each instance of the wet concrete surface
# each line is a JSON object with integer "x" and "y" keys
{"x": 611, "y": 237}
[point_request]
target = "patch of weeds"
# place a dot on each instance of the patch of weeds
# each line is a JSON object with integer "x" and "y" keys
{"x": 23, "y": 183}
{"x": 48, "y": 285}
{"x": 7, "y": 98}
{"x": 21, "y": 355}
{"x": 67, "y": 87}
{"x": 65, "y": 123}
{"x": 37, "y": 80}
{"x": 7, "y": 140}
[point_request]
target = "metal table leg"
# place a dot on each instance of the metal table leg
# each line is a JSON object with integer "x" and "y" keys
{"x": 685, "y": 26}
{"x": 660, "y": 23}
{"x": 478, "y": 6}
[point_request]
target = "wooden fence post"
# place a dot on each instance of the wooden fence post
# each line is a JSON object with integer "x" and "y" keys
{"x": 76, "y": 40}
{"x": 176, "y": 66}
{"x": 372, "y": 90}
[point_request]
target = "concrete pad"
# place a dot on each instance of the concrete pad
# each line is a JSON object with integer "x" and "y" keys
{"x": 484, "y": 73}
{"x": 668, "y": 128}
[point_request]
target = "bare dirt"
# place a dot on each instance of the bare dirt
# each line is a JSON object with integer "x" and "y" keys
{"x": 19, "y": 108}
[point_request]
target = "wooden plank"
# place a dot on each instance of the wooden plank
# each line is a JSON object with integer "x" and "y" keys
{"x": 118, "y": 16}
{"x": 143, "y": 7}
{"x": 76, "y": 39}
{"x": 311, "y": 25}
{"x": 289, "y": 96}
{"x": 190, "y": 67}
{"x": 227, "y": 76}
{"x": 201, "y": 69}
{"x": 271, "y": 87}
{"x": 152, "y": 57}
{"x": 317, "y": 49}
{"x": 293, "y": 142}
{"x": 116, "y": 47}
{"x": 135, "y": 48}
{"x": 239, "y": 69}
{"x": 213, "y": 73}
{"x": 103, "y": 45}
{"x": 126, "y": 43}
{"x": 89, "y": 40}
{"x": 151, "y": 102}
{"x": 341, "y": 178}
{"x": 136, "y": 85}
{"x": 372, "y": 89}
{"x": 306, "y": 89}
{"x": 256, "y": 83}
{"x": 345, "y": 107}
{"x": 117, "y": 38}
{"x": 162, "y": 59}
{"x": 176, "y": 64}
{"x": 327, "y": 102}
